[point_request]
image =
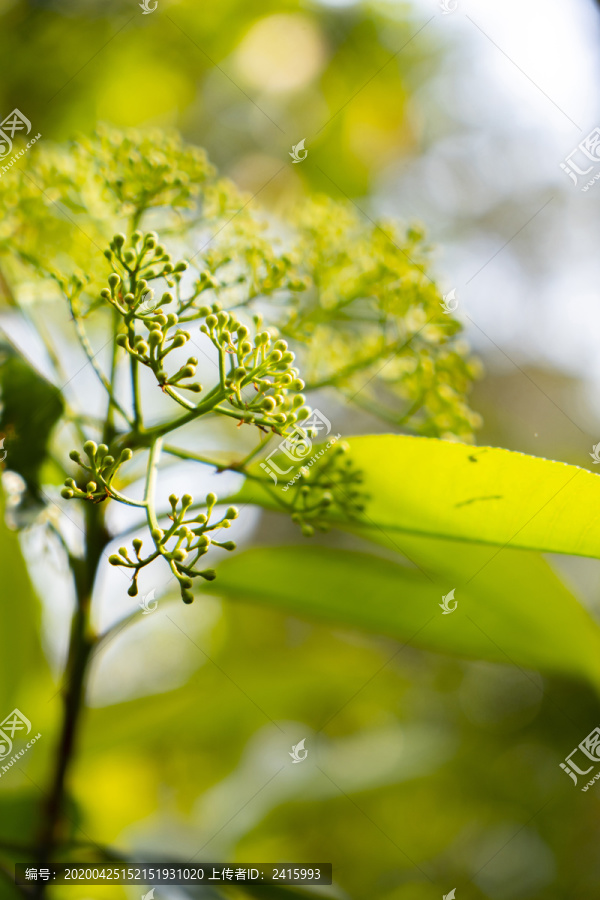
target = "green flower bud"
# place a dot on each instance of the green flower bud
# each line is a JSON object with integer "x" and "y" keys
{"x": 121, "y": 340}
{"x": 232, "y": 512}
{"x": 298, "y": 400}
{"x": 91, "y": 487}
{"x": 211, "y": 499}
{"x": 90, "y": 449}
{"x": 187, "y": 596}
{"x": 119, "y": 240}
{"x": 155, "y": 337}
{"x": 157, "y": 535}
{"x": 229, "y": 545}
{"x": 108, "y": 254}
{"x": 126, "y": 455}
{"x": 115, "y": 560}
{"x": 114, "y": 280}
{"x": 132, "y": 589}
{"x": 137, "y": 544}
{"x": 209, "y": 574}
{"x": 181, "y": 266}
{"x": 268, "y": 404}
{"x": 187, "y": 500}
{"x": 280, "y": 345}
{"x": 67, "y": 493}
{"x": 75, "y": 456}
{"x": 179, "y": 340}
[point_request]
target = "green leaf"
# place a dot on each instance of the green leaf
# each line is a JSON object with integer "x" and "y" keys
{"x": 31, "y": 407}
{"x": 21, "y": 655}
{"x": 528, "y": 617}
{"x": 479, "y": 494}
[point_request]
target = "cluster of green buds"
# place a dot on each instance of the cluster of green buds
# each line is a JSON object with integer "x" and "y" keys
{"x": 328, "y": 490}
{"x": 102, "y": 469}
{"x": 144, "y": 259}
{"x": 256, "y": 374}
{"x": 182, "y": 545}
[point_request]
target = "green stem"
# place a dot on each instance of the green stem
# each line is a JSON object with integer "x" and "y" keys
{"x": 81, "y": 644}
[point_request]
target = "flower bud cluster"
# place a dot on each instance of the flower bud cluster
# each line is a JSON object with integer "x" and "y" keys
{"x": 102, "y": 468}
{"x": 182, "y": 545}
{"x": 257, "y": 373}
{"x": 329, "y": 490}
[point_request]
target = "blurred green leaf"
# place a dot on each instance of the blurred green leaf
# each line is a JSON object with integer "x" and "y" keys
{"x": 21, "y": 652}
{"x": 550, "y": 631}
{"x": 31, "y": 407}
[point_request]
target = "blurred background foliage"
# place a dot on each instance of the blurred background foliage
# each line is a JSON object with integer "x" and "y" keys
{"x": 441, "y": 773}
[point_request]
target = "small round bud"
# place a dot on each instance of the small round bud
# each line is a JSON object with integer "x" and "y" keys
{"x": 114, "y": 280}
{"x": 229, "y": 545}
{"x": 187, "y": 596}
{"x": 179, "y": 555}
{"x": 157, "y": 534}
{"x": 209, "y": 574}
{"x": 137, "y": 544}
{"x": 119, "y": 239}
{"x": 126, "y": 455}
{"x": 187, "y": 500}
{"x": 211, "y": 499}
{"x": 132, "y": 589}
{"x": 115, "y": 560}
{"x": 232, "y": 512}
{"x": 91, "y": 487}
{"x": 67, "y": 493}
{"x": 90, "y": 448}
{"x": 74, "y": 455}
